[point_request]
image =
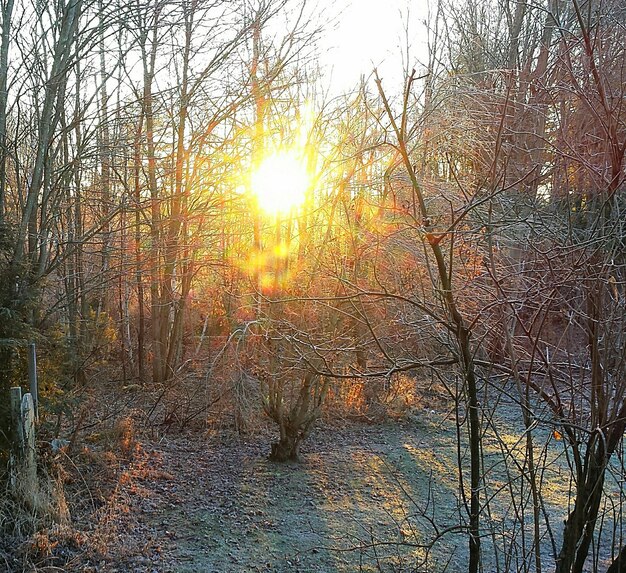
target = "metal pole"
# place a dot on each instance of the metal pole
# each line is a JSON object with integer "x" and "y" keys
{"x": 32, "y": 377}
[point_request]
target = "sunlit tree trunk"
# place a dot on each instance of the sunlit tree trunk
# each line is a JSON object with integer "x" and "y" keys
{"x": 148, "y": 41}
{"x": 82, "y": 304}
{"x": 139, "y": 264}
{"x": 104, "y": 151}
{"x": 258, "y": 147}
{"x": 173, "y": 301}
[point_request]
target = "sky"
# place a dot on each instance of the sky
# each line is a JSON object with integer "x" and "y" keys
{"x": 371, "y": 33}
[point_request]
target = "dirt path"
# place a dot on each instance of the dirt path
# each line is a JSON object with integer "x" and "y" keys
{"x": 216, "y": 505}
{"x": 366, "y": 498}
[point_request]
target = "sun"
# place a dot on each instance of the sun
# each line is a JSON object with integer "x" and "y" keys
{"x": 280, "y": 182}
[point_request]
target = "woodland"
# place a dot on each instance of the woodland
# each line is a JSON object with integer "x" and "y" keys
{"x": 280, "y": 328}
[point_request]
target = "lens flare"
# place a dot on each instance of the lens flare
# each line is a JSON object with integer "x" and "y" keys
{"x": 280, "y": 183}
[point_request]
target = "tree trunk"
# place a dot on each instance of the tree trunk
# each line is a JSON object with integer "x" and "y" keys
{"x": 82, "y": 304}
{"x": 462, "y": 332}
{"x": 176, "y": 239}
{"x": 141, "y": 327}
{"x": 258, "y": 148}
{"x": 619, "y": 565}
{"x": 287, "y": 449}
{"x": 581, "y": 522}
{"x": 7, "y": 12}
{"x": 104, "y": 153}
{"x": 149, "y": 62}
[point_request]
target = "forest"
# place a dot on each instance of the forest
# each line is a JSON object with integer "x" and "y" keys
{"x": 282, "y": 327}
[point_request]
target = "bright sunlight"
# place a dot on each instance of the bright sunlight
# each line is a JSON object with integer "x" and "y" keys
{"x": 280, "y": 182}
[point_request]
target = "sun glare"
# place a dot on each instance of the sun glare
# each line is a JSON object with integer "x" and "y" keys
{"x": 280, "y": 183}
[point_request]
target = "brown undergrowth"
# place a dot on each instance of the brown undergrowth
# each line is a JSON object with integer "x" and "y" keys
{"x": 78, "y": 503}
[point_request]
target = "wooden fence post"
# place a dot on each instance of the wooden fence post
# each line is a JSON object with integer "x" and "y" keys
{"x": 16, "y": 420}
{"x": 24, "y": 455}
{"x": 29, "y": 461}
{"x": 17, "y": 437}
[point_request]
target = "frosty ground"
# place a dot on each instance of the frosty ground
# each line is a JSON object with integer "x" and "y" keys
{"x": 365, "y": 498}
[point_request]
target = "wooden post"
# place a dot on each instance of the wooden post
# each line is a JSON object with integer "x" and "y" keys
{"x": 17, "y": 437}
{"x": 32, "y": 378}
{"x": 24, "y": 455}
{"x": 29, "y": 460}
{"x": 16, "y": 420}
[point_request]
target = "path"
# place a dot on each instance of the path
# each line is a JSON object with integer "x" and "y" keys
{"x": 214, "y": 505}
